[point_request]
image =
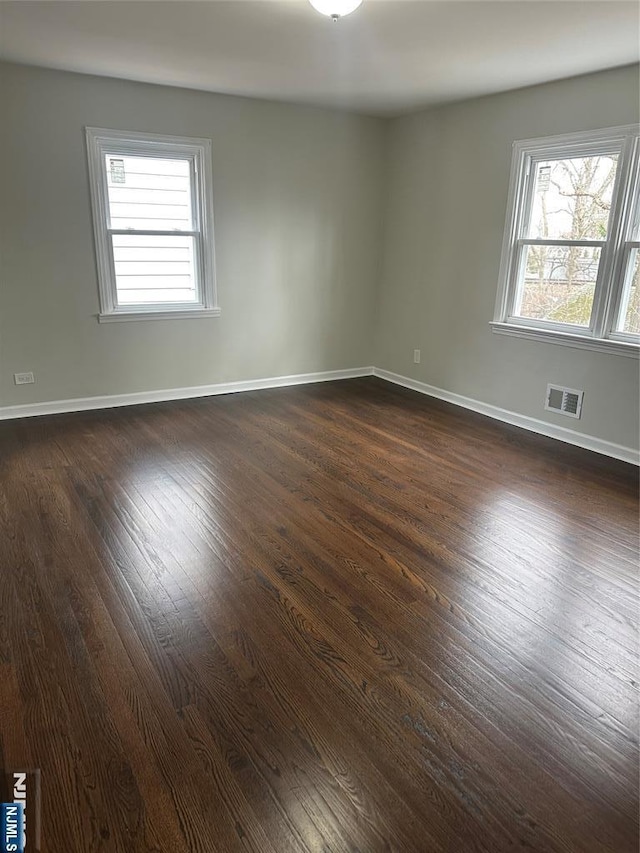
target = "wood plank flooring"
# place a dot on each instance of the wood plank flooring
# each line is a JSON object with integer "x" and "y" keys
{"x": 339, "y": 617}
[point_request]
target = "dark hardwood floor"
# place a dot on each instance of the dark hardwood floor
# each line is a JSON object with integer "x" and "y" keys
{"x": 339, "y": 617}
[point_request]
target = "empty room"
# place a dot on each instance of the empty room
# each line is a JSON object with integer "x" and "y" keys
{"x": 319, "y": 426}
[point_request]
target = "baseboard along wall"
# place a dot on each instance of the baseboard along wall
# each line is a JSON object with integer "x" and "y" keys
{"x": 569, "y": 436}
{"x": 82, "y": 404}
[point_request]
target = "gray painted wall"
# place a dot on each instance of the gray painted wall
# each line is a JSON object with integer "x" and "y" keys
{"x": 298, "y": 214}
{"x": 445, "y": 214}
{"x": 310, "y": 278}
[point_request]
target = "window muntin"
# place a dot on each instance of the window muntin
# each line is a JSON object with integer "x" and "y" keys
{"x": 572, "y": 199}
{"x": 151, "y": 199}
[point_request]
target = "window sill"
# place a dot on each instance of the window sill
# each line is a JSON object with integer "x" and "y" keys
{"x": 128, "y": 316}
{"x": 566, "y": 339}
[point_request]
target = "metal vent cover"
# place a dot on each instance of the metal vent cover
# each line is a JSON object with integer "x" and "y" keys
{"x": 564, "y": 401}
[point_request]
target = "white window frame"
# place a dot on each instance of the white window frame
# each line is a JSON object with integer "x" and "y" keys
{"x": 615, "y": 250}
{"x": 103, "y": 142}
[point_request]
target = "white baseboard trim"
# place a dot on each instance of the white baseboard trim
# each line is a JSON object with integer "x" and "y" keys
{"x": 112, "y": 401}
{"x": 569, "y": 436}
{"x": 83, "y": 404}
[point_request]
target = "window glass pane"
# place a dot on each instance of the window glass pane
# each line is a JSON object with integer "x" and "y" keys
{"x": 149, "y": 193}
{"x": 559, "y": 284}
{"x": 635, "y": 230}
{"x": 631, "y": 301}
{"x": 572, "y": 198}
{"x": 152, "y": 269}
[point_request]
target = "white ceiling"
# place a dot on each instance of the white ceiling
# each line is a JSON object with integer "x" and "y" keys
{"x": 388, "y": 57}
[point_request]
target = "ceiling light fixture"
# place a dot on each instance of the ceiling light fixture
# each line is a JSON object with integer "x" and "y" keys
{"x": 335, "y": 9}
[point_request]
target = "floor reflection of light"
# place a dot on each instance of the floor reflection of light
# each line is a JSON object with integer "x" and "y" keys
{"x": 174, "y": 506}
{"x": 520, "y": 542}
{"x": 542, "y": 593}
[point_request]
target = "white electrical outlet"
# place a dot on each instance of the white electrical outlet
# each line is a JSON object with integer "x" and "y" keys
{"x": 416, "y": 356}
{"x": 23, "y": 378}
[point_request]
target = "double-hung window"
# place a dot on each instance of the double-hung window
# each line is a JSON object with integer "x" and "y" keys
{"x": 153, "y": 225}
{"x": 570, "y": 260}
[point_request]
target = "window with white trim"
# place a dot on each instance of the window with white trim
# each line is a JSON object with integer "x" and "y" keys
{"x": 153, "y": 224}
{"x": 570, "y": 260}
